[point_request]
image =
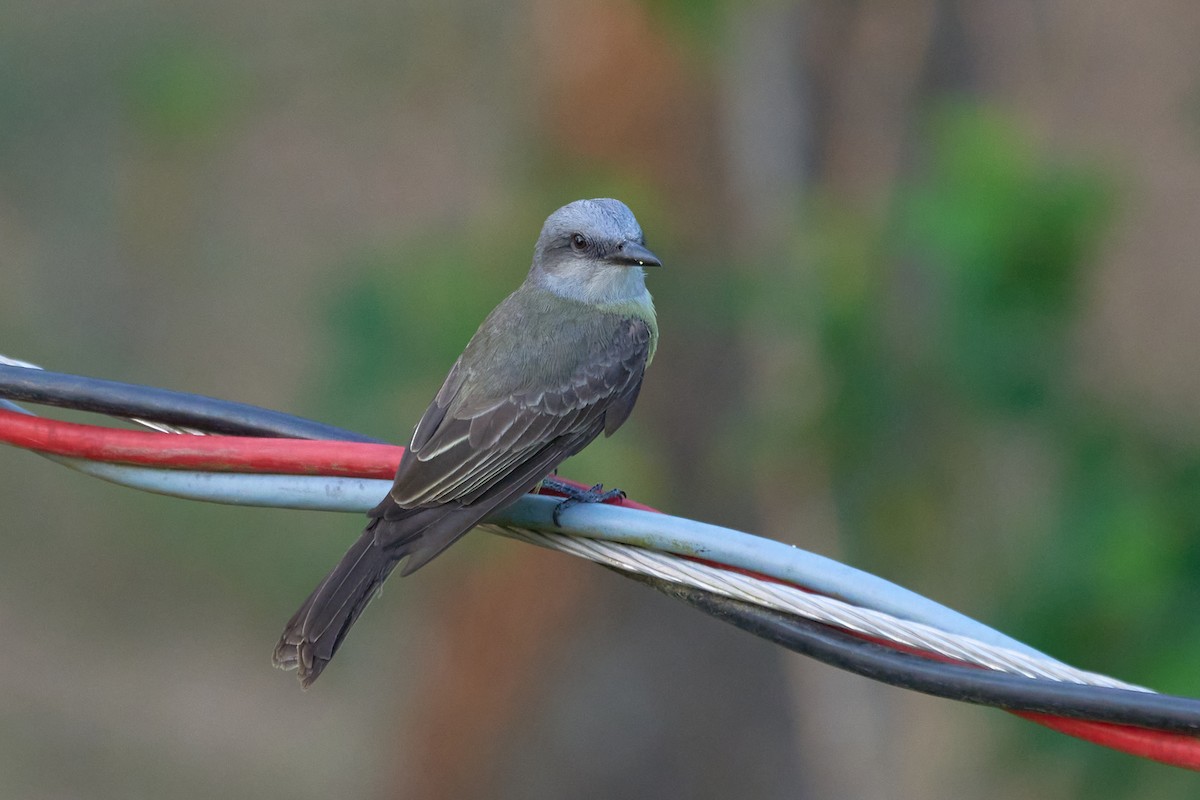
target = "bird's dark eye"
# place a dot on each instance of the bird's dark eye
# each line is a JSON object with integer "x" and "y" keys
{"x": 579, "y": 242}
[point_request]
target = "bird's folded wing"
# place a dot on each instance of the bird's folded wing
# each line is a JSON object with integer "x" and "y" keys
{"x": 463, "y": 445}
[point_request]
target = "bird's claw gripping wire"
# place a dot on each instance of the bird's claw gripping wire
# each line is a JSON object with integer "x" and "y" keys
{"x": 575, "y": 496}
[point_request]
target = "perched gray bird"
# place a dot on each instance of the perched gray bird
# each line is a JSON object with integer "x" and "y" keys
{"x": 559, "y": 361}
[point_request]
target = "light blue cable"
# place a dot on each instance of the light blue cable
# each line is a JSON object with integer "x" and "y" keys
{"x": 303, "y": 492}
{"x": 687, "y": 537}
{"x": 610, "y": 523}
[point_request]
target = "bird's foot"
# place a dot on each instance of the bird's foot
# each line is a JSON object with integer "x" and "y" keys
{"x": 575, "y": 496}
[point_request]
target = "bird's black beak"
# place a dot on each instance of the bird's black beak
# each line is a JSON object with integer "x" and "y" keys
{"x": 632, "y": 253}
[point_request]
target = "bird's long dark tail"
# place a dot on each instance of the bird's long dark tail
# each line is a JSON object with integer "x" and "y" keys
{"x": 317, "y": 629}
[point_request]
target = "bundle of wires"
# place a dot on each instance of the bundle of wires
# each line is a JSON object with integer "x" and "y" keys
{"x": 802, "y": 601}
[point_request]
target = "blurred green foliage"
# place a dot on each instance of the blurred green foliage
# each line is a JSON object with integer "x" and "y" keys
{"x": 1009, "y": 237}
{"x": 179, "y": 93}
{"x": 699, "y": 19}
{"x": 944, "y": 327}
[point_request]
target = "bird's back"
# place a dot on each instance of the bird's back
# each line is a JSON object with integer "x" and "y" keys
{"x": 533, "y": 339}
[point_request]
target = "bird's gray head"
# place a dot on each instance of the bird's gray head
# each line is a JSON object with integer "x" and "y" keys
{"x": 592, "y": 251}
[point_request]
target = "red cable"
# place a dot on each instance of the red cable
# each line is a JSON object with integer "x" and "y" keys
{"x": 211, "y": 453}
{"x": 355, "y": 459}
{"x": 208, "y": 453}
{"x": 1166, "y": 747}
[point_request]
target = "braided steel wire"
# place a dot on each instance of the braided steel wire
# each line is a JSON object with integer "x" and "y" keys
{"x": 819, "y": 608}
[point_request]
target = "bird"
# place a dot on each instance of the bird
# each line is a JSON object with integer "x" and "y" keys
{"x": 555, "y": 364}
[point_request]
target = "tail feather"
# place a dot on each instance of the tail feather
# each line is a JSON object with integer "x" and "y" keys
{"x": 395, "y": 533}
{"x": 316, "y": 630}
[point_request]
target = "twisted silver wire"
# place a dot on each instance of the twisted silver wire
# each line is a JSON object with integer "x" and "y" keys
{"x": 819, "y": 608}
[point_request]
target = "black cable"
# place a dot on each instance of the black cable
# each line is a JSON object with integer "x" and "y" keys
{"x": 161, "y": 405}
{"x": 826, "y": 644}
{"x": 968, "y": 684}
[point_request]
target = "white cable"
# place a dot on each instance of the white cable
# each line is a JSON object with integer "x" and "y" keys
{"x": 16, "y": 362}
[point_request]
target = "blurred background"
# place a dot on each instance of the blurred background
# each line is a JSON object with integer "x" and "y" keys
{"x": 928, "y": 308}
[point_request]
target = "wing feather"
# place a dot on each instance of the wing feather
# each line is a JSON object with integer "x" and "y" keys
{"x": 463, "y": 449}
